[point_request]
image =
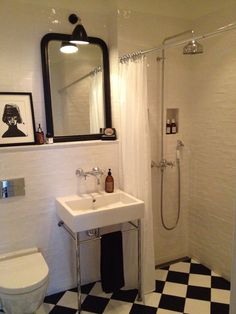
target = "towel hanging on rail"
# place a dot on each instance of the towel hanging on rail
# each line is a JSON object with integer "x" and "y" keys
{"x": 112, "y": 269}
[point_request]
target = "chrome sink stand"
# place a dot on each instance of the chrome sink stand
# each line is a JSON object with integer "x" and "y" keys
{"x": 76, "y": 237}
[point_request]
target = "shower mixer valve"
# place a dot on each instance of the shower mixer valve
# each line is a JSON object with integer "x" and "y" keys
{"x": 163, "y": 164}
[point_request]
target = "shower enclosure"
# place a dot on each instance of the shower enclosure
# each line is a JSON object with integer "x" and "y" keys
{"x": 194, "y": 185}
{"x": 192, "y": 48}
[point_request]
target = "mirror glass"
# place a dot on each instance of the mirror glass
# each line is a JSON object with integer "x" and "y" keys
{"x": 76, "y": 87}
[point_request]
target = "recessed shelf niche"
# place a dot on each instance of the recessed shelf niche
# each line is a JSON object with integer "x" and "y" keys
{"x": 172, "y": 114}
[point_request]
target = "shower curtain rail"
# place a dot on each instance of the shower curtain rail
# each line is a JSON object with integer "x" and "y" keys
{"x": 133, "y": 55}
{"x": 96, "y": 70}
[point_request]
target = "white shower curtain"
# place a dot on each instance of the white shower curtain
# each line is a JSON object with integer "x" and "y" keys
{"x": 135, "y": 154}
{"x": 96, "y": 102}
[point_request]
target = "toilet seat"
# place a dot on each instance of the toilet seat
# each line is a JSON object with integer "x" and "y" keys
{"x": 22, "y": 274}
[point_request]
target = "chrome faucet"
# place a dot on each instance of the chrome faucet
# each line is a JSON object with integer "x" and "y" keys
{"x": 96, "y": 172}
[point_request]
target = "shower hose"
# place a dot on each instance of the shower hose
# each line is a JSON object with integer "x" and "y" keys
{"x": 162, "y": 197}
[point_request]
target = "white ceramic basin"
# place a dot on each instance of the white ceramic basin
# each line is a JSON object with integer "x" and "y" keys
{"x": 81, "y": 213}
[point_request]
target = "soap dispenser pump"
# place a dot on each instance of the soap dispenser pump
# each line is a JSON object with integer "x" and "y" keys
{"x": 109, "y": 182}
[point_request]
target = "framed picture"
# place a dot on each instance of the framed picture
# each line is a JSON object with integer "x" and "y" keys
{"x": 17, "y": 126}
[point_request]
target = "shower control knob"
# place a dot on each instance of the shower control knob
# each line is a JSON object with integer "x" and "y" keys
{"x": 165, "y": 163}
{"x": 170, "y": 163}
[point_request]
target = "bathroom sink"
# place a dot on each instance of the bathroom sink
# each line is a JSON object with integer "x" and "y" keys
{"x": 97, "y": 210}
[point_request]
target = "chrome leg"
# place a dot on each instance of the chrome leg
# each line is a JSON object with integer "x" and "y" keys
{"x": 78, "y": 276}
{"x": 139, "y": 263}
{"x": 76, "y": 238}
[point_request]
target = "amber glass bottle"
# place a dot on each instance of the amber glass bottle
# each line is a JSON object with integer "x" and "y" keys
{"x": 109, "y": 183}
{"x": 173, "y": 127}
{"x": 40, "y": 136}
{"x": 168, "y": 127}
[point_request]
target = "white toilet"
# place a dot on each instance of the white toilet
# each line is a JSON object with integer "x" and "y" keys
{"x": 23, "y": 281}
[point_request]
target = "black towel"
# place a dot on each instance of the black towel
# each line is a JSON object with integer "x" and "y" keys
{"x": 112, "y": 269}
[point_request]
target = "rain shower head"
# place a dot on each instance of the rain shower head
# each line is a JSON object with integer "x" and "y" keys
{"x": 192, "y": 48}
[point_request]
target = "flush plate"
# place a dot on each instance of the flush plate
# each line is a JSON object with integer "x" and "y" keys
{"x": 12, "y": 187}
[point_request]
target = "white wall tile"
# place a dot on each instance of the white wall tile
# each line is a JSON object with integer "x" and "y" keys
{"x": 202, "y": 87}
{"x": 212, "y": 166}
{"x": 31, "y": 220}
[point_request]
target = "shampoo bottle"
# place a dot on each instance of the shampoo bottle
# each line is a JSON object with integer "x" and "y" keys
{"x": 173, "y": 127}
{"x": 109, "y": 183}
{"x": 168, "y": 127}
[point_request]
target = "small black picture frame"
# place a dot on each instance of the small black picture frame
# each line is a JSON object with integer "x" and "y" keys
{"x": 17, "y": 124}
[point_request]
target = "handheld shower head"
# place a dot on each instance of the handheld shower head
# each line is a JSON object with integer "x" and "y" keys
{"x": 179, "y": 145}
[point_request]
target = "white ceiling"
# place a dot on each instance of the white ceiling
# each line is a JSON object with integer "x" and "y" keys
{"x": 189, "y": 9}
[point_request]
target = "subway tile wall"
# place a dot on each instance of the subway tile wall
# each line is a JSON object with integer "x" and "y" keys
{"x": 213, "y": 149}
{"x": 20, "y": 47}
{"x": 174, "y": 244}
{"x": 202, "y": 87}
{"x": 31, "y": 220}
{"x": 49, "y": 171}
{"x": 205, "y": 95}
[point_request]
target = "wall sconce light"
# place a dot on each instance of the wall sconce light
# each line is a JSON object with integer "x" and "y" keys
{"x": 79, "y": 35}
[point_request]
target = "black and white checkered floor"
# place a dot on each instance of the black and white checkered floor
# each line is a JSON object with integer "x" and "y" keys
{"x": 184, "y": 287}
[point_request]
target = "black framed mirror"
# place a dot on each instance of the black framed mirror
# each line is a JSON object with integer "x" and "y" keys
{"x": 76, "y": 89}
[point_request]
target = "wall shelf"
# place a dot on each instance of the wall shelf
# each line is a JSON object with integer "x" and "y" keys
{"x": 61, "y": 145}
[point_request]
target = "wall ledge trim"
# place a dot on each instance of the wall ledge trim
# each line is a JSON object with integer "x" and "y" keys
{"x": 61, "y": 145}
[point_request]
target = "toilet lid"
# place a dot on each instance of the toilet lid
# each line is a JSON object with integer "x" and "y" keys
{"x": 22, "y": 274}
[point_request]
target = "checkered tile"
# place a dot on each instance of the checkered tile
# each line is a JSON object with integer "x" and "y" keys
{"x": 185, "y": 287}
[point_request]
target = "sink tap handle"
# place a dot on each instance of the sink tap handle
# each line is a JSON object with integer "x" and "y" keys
{"x": 80, "y": 172}
{"x": 98, "y": 170}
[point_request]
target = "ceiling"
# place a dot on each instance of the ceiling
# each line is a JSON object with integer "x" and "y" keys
{"x": 187, "y": 9}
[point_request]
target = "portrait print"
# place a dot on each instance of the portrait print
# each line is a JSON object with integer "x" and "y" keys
{"x": 16, "y": 119}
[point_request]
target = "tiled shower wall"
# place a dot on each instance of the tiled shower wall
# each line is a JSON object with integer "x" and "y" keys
{"x": 168, "y": 245}
{"x": 202, "y": 87}
{"x": 79, "y": 91}
{"x": 213, "y": 146}
{"x": 173, "y": 244}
